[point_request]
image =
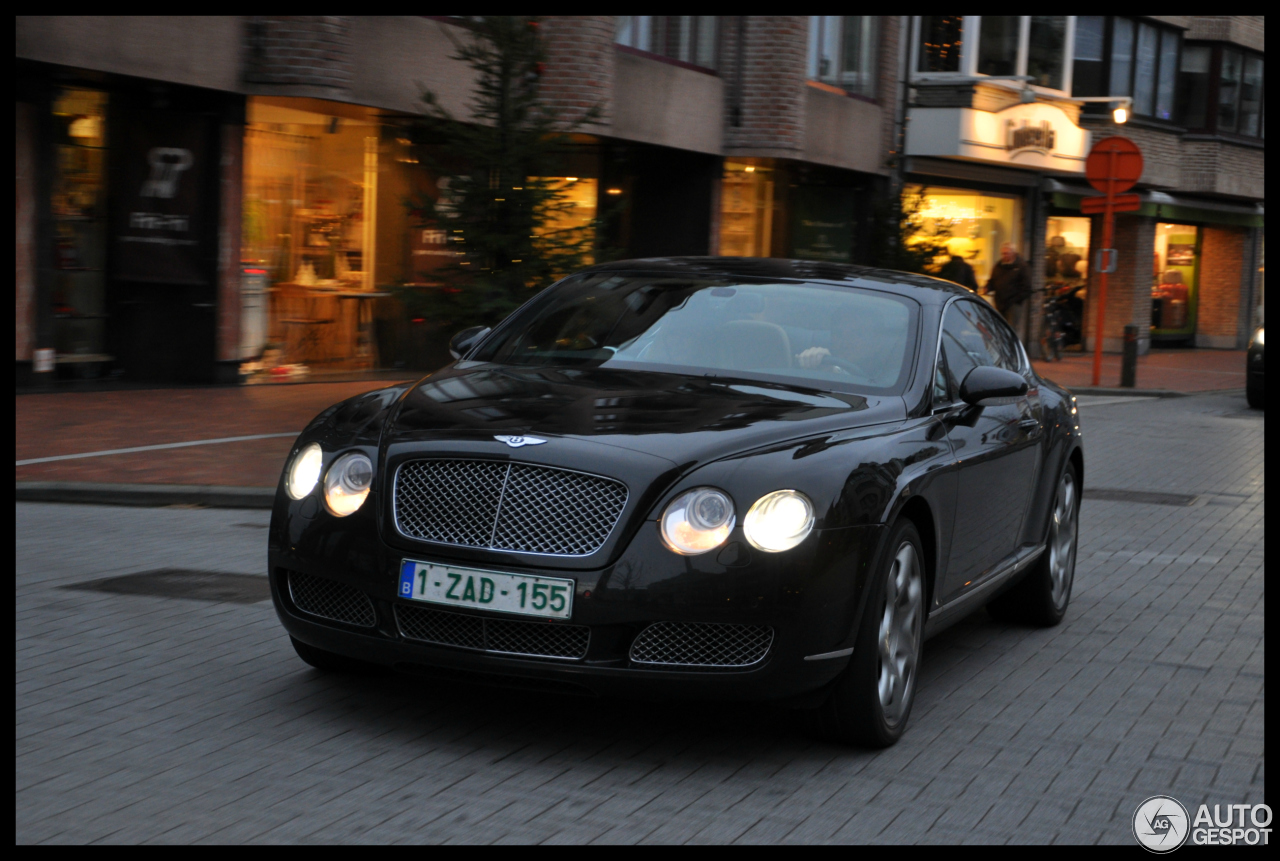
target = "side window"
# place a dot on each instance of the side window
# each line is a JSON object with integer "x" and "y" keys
{"x": 1001, "y": 344}
{"x": 962, "y": 345}
{"x": 941, "y": 381}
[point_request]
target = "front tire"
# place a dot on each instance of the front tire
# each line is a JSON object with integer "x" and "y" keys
{"x": 1041, "y": 597}
{"x": 1253, "y": 394}
{"x": 871, "y": 700}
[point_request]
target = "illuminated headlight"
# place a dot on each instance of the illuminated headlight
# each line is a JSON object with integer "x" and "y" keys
{"x": 1258, "y": 337}
{"x": 697, "y": 521}
{"x": 347, "y": 483}
{"x": 779, "y": 521}
{"x": 304, "y": 472}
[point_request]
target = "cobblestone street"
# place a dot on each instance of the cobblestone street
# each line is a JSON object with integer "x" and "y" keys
{"x": 157, "y": 719}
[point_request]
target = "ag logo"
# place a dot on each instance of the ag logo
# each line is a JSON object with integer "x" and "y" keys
{"x": 517, "y": 441}
{"x": 1161, "y": 824}
{"x": 167, "y": 165}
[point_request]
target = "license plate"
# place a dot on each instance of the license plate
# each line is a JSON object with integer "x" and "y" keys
{"x": 521, "y": 594}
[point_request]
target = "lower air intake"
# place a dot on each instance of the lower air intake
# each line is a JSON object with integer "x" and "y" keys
{"x": 502, "y": 636}
{"x": 330, "y": 599}
{"x": 701, "y": 644}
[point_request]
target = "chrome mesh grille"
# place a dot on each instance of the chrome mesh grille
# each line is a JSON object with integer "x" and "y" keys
{"x": 330, "y": 599}
{"x": 702, "y": 644}
{"x": 506, "y": 636}
{"x": 506, "y": 506}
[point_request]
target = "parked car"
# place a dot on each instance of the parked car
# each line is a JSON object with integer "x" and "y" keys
{"x": 1255, "y": 365}
{"x": 703, "y": 477}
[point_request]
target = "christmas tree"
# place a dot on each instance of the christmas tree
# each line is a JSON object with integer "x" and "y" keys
{"x": 501, "y": 208}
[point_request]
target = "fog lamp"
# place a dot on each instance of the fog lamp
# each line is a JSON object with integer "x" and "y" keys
{"x": 347, "y": 483}
{"x": 779, "y": 521}
{"x": 697, "y": 521}
{"x": 304, "y": 472}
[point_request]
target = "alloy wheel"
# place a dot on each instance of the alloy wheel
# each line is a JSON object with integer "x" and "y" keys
{"x": 901, "y": 626}
{"x": 1062, "y": 541}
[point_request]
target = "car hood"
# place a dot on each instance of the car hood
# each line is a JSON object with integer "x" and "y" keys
{"x": 686, "y": 420}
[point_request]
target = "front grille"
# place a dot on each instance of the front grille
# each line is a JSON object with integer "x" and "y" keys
{"x": 702, "y": 644}
{"x": 506, "y": 506}
{"x": 506, "y": 636}
{"x": 330, "y": 599}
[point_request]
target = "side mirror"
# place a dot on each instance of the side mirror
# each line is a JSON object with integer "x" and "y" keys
{"x": 988, "y": 385}
{"x": 461, "y": 343}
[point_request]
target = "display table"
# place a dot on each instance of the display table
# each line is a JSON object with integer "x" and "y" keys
{"x": 366, "y": 345}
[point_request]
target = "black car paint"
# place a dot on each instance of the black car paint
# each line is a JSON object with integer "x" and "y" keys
{"x": 864, "y": 461}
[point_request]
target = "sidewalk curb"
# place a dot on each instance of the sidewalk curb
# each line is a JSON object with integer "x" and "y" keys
{"x": 147, "y": 495}
{"x": 1148, "y": 393}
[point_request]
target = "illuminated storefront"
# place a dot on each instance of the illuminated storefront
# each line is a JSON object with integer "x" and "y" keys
{"x": 971, "y": 225}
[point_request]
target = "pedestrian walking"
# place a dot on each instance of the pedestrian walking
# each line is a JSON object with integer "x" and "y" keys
{"x": 957, "y": 269}
{"x": 1011, "y": 283}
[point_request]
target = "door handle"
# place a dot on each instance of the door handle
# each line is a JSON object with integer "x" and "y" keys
{"x": 1029, "y": 425}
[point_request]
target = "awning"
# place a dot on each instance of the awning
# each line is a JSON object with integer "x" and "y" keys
{"x": 1160, "y": 204}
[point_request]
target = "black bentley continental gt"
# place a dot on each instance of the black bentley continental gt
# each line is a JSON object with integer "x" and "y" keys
{"x": 691, "y": 478}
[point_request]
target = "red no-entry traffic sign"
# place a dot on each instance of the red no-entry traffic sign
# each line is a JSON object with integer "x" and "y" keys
{"x": 1114, "y": 165}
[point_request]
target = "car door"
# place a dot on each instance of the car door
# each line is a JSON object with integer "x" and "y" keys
{"x": 995, "y": 446}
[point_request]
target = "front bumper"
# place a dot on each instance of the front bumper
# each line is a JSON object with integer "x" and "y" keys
{"x": 808, "y": 597}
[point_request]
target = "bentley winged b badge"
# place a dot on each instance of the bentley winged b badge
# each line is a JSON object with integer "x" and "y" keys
{"x": 517, "y": 441}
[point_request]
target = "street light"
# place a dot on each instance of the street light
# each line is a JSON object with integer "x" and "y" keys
{"x": 1120, "y": 105}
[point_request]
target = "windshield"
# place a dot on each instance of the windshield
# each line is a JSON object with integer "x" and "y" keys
{"x": 816, "y": 335}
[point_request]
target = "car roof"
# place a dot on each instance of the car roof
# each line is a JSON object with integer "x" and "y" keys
{"x": 923, "y": 288}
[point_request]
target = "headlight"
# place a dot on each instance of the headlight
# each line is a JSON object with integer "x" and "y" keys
{"x": 1258, "y": 337}
{"x": 697, "y": 521}
{"x": 304, "y": 472}
{"x": 779, "y": 521}
{"x": 347, "y": 483}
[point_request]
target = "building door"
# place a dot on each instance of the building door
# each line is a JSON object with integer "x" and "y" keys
{"x": 1175, "y": 282}
{"x": 79, "y": 223}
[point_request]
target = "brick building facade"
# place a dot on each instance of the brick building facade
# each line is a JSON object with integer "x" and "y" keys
{"x": 752, "y": 135}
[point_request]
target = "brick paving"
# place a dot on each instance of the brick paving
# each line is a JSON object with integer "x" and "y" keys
{"x": 1167, "y": 370}
{"x": 145, "y": 719}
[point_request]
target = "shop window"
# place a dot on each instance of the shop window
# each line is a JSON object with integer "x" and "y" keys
{"x": 972, "y": 225}
{"x": 941, "y": 38}
{"x": 79, "y": 213}
{"x": 687, "y": 38}
{"x": 309, "y": 222}
{"x": 1141, "y": 60}
{"x": 574, "y": 215}
{"x": 1175, "y": 280}
{"x": 746, "y": 210}
{"x": 842, "y": 52}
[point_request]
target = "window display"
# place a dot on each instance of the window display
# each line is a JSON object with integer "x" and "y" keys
{"x": 310, "y": 193}
{"x": 1175, "y": 278}
{"x": 973, "y": 225}
{"x": 746, "y": 210}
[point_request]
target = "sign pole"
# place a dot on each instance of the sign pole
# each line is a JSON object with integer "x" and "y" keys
{"x": 1108, "y": 227}
{"x": 1113, "y": 166}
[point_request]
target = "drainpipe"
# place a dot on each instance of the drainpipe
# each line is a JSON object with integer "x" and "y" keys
{"x": 900, "y": 112}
